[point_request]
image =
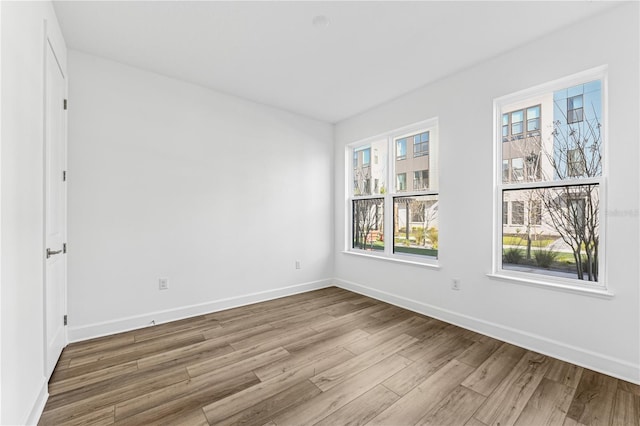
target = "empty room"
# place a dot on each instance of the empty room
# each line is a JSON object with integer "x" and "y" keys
{"x": 320, "y": 213}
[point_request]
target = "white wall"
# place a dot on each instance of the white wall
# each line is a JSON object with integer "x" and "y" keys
{"x": 603, "y": 334}
{"x": 22, "y": 373}
{"x": 169, "y": 179}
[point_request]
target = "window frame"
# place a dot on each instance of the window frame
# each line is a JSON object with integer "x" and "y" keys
{"x": 533, "y": 278}
{"x": 390, "y": 175}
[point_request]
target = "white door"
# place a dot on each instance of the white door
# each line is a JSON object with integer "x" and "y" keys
{"x": 55, "y": 211}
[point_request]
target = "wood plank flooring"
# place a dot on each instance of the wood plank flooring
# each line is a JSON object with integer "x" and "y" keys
{"x": 326, "y": 357}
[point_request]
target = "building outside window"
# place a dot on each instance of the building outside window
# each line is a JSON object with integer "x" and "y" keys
{"x": 549, "y": 191}
{"x": 402, "y": 221}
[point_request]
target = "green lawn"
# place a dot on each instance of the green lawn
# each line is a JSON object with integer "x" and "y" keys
{"x": 510, "y": 240}
{"x": 416, "y": 250}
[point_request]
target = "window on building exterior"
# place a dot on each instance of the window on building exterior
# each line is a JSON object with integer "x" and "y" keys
{"x": 505, "y": 171}
{"x": 401, "y": 182}
{"x": 401, "y": 149}
{"x": 505, "y": 127}
{"x": 517, "y": 212}
{"x": 410, "y": 202}
{"x": 421, "y": 180}
{"x": 533, "y": 118}
{"x": 575, "y": 162}
{"x": 366, "y": 157}
{"x": 421, "y": 144}
{"x": 517, "y": 169}
{"x": 517, "y": 117}
{"x": 574, "y": 109}
{"x": 550, "y": 202}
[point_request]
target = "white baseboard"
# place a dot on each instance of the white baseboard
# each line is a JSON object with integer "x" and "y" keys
{"x": 38, "y": 405}
{"x": 90, "y": 331}
{"x": 598, "y": 362}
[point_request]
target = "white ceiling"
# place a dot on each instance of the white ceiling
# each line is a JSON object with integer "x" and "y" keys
{"x": 271, "y": 53}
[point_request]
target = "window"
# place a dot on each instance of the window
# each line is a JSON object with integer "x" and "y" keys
{"x": 363, "y": 171}
{"x": 401, "y": 182}
{"x": 505, "y": 170}
{"x": 407, "y": 209}
{"x": 505, "y": 127}
{"x": 401, "y": 149}
{"x": 575, "y": 162}
{"x": 517, "y": 212}
{"x": 574, "y": 109}
{"x": 550, "y": 201}
{"x": 366, "y": 157}
{"x": 421, "y": 180}
{"x": 415, "y": 225}
{"x": 533, "y": 118}
{"x": 516, "y": 122}
{"x": 367, "y": 220}
{"x": 517, "y": 169}
{"x": 421, "y": 144}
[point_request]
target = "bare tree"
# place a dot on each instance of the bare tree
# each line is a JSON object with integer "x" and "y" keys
{"x": 367, "y": 217}
{"x": 573, "y": 209}
{"x": 367, "y": 212}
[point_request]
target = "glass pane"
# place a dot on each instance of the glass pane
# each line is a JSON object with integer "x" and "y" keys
{"x": 421, "y": 180}
{"x": 401, "y": 182}
{"x": 415, "y": 225}
{"x": 517, "y": 169}
{"x": 564, "y": 127}
{"x": 574, "y": 102}
{"x": 365, "y": 172}
{"x": 552, "y": 231}
{"x": 368, "y": 223}
{"x": 517, "y": 116}
{"x": 533, "y": 124}
{"x": 366, "y": 157}
{"x": 418, "y": 160}
{"x": 577, "y": 127}
{"x": 505, "y": 171}
{"x": 516, "y": 128}
{"x": 401, "y": 149}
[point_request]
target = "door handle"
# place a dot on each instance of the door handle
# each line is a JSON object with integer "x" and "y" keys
{"x": 52, "y": 252}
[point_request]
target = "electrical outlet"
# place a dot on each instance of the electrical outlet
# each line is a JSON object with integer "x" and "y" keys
{"x": 455, "y": 284}
{"x": 298, "y": 265}
{"x": 163, "y": 283}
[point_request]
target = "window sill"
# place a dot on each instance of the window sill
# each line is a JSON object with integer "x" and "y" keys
{"x": 396, "y": 259}
{"x": 567, "y": 288}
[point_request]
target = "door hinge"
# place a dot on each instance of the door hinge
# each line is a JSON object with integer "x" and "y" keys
{"x": 65, "y": 320}
{"x": 64, "y": 175}
{"x": 64, "y": 248}
{"x": 65, "y": 104}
